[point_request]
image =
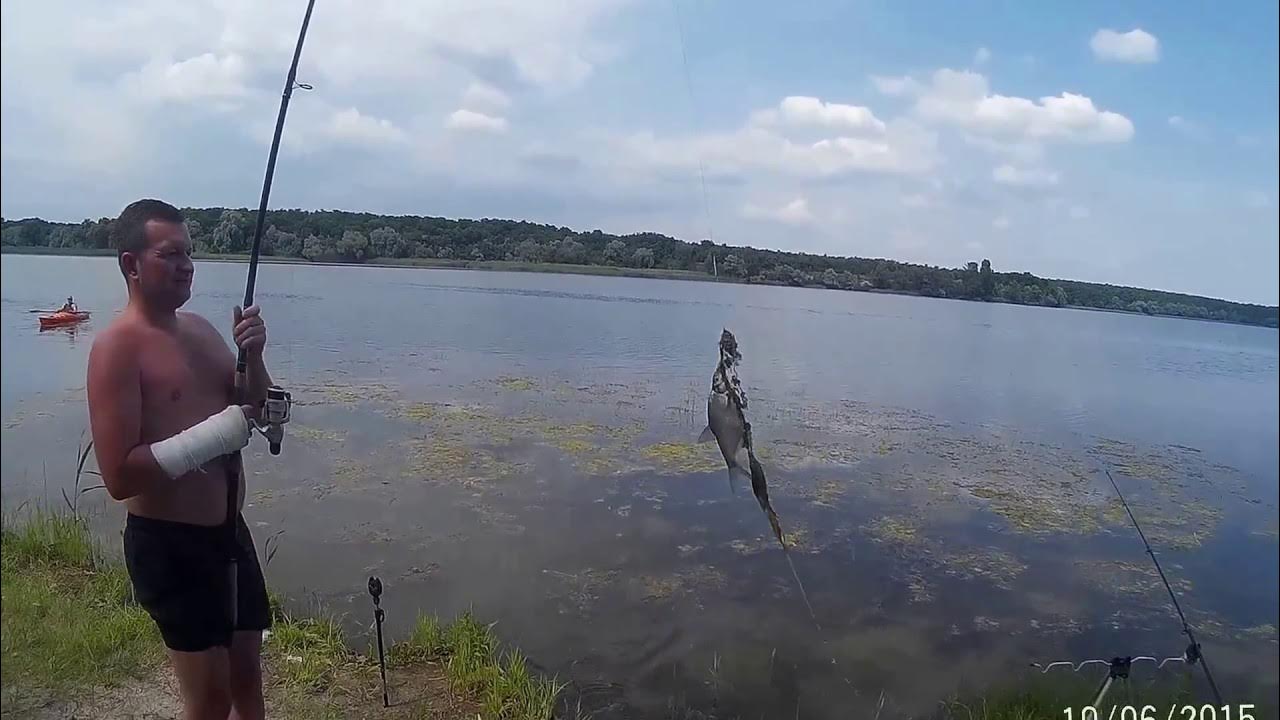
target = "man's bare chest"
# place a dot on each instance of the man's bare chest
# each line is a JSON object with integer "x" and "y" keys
{"x": 183, "y": 380}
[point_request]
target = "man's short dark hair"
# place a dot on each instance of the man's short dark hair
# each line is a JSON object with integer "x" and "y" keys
{"x": 129, "y": 231}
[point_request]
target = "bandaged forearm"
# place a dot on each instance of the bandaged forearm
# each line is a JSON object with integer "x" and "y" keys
{"x": 220, "y": 434}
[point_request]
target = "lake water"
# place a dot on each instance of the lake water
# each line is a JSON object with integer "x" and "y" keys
{"x": 522, "y": 445}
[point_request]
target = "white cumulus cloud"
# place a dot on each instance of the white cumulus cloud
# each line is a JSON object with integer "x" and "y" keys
{"x": 200, "y": 78}
{"x": 795, "y": 212}
{"x": 1135, "y": 46}
{"x": 895, "y": 86}
{"x": 963, "y": 98}
{"x": 482, "y": 96}
{"x": 353, "y": 127}
{"x": 802, "y": 111}
{"x": 1024, "y": 177}
{"x": 470, "y": 120}
{"x": 782, "y": 141}
{"x": 982, "y": 56}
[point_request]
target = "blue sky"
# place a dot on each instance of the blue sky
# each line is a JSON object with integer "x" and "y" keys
{"x": 1132, "y": 143}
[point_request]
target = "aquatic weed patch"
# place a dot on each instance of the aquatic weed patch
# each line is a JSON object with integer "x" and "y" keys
{"x": 458, "y": 441}
{"x": 689, "y": 581}
{"x": 516, "y": 384}
{"x": 443, "y": 459}
{"x": 683, "y": 457}
{"x": 1131, "y": 579}
{"x": 313, "y": 435}
{"x": 908, "y": 539}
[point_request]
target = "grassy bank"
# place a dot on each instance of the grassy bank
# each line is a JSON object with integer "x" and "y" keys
{"x": 73, "y": 635}
{"x": 1047, "y": 697}
{"x": 68, "y": 618}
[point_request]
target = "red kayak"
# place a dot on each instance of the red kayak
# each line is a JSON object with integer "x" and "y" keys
{"x": 62, "y": 318}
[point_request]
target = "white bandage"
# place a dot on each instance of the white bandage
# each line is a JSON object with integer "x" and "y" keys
{"x": 220, "y": 434}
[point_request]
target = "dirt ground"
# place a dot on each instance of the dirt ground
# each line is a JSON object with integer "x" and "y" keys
{"x": 418, "y": 692}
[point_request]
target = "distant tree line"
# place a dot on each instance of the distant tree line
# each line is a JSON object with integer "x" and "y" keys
{"x": 333, "y": 236}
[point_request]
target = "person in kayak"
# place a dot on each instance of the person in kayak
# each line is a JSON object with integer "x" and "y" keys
{"x": 167, "y": 433}
{"x": 69, "y": 306}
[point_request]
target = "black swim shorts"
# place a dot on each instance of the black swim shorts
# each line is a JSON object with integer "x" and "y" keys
{"x": 179, "y": 574}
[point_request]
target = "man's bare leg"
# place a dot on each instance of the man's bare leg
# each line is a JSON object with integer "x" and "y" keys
{"x": 246, "y": 675}
{"x": 204, "y": 679}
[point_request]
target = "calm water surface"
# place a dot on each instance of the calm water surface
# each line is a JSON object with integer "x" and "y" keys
{"x": 521, "y": 445}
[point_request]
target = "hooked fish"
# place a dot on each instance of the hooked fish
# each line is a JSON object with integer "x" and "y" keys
{"x": 727, "y": 424}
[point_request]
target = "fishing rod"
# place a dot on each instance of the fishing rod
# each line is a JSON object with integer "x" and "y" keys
{"x": 275, "y": 410}
{"x": 279, "y": 402}
{"x": 375, "y": 591}
{"x": 1193, "y": 653}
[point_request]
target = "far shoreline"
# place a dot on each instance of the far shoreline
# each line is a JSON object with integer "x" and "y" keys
{"x": 567, "y": 269}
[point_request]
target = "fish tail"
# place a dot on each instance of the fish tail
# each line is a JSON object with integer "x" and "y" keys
{"x": 759, "y": 485}
{"x": 777, "y": 526}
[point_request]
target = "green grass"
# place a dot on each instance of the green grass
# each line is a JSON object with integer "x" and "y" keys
{"x": 69, "y": 624}
{"x": 69, "y": 619}
{"x": 475, "y": 666}
{"x": 1045, "y": 697}
{"x": 307, "y": 652}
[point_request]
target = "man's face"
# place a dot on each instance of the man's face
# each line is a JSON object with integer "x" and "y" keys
{"x": 163, "y": 271}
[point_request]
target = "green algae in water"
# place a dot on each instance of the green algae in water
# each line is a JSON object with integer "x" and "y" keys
{"x": 315, "y": 436}
{"x": 690, "y": 581}
{"x": 574, "y": 446}
{"x": 421, "y": 412}
{"x": 918, "y": 588}
{"x": 826, "y": 493}
{"x": 683, "y": 457}
{"x": 338, "y": 393}
{"x": 1261, "y": 632}
{"x": 991, "y": 564}
{"x": 894, "y": 530}
{"x": 583, "y": 588}
{"x": 789, "y": 454}
{"x": 516, "y": 384}
{"x": 1127, "y": 579}
{"x": 444, "y": 460}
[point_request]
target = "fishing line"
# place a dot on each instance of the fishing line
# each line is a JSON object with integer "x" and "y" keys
{"x": 803, "y": 595}
{"x": 693, "y": 106}
{"x": 1194, "y": 652}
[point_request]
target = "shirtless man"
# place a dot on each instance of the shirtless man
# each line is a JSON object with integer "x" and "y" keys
{"x": 167, "y": 435}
